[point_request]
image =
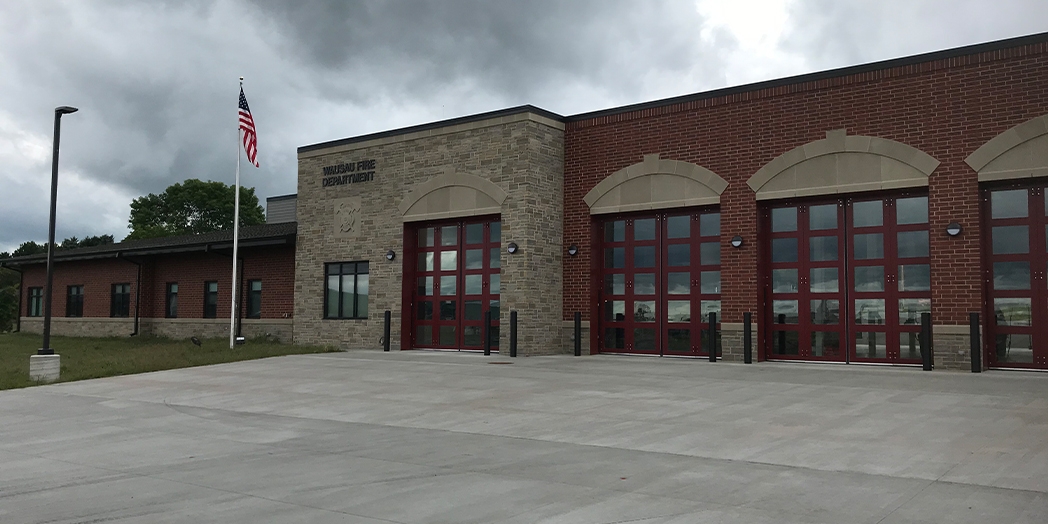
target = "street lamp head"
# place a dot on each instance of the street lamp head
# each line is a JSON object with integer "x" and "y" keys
{"x": 65, "y": 110}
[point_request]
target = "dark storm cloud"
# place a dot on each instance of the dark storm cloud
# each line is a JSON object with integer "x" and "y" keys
{"x": 513, "y": 48}
{"x": 155, "y": 83}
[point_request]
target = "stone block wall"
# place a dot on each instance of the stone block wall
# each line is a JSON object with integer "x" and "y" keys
{"x": 177, "y": 328}
{"x": 359, "y": 219}
{"x": 81, "y": 327}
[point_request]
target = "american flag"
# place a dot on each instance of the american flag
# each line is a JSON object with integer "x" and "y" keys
{"x": 247, "y": 125}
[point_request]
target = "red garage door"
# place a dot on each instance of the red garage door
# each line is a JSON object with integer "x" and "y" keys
{"x": 847, "y": 279}
{"x": 457, "y": 281}
{"x": 660, "y": 277}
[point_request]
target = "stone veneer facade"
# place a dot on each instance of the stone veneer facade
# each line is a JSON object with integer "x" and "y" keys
{"x": 178, "y": 328}
{"x": 519, "y": 151}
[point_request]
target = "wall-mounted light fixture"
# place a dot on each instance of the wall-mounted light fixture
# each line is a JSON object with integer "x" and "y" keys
{"x": 573, "y": 250}
{"x": 390, "y": 255}
{"x": 736, "y": 241}
{"x": 953, "y": 229}
{"x": 511, "y": 248}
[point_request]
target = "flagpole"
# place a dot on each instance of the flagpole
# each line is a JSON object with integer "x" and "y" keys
{"x": 236, "y": 237}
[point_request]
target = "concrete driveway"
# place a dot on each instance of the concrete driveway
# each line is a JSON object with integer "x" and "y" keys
{"x": 419, "y": 437}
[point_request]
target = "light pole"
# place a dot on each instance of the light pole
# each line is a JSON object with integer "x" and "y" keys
{"x": 46, "y": 349}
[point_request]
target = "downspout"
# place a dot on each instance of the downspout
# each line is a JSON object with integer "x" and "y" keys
{"x": 138, "y": 291}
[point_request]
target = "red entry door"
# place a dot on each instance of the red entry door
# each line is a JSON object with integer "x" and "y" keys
{"x": 457, "y": 281}
{"x": 1015, "y": 262}
{"x": 660, "y": 280}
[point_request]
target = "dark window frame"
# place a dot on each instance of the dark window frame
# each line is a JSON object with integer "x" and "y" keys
{"x": 75, "y": 301}
{"x": 120, "y": 300}
{"x": 341, "y": 272}
{"x": 171, "y": 300}
{"x": 211, "y": 299}
{"x": 254, "y": 299}
{"x": 35, "y": 302}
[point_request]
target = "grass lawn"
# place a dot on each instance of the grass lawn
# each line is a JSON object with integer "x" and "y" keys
{"x": 84, "y": 358}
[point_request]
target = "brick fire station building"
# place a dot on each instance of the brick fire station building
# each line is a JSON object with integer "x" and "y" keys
{"x": 836, "y": 207}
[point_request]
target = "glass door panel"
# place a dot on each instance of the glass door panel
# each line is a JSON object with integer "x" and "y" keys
{"x": 806, "y": 257}
{"x": 1016, "y": 263}
{"x": 891, "y": 278}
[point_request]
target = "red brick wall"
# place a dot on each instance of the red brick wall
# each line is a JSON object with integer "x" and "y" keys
{"x": 275, "y": 266}
{"x": 97, "y": 277}
{"x": 946, "y": 108}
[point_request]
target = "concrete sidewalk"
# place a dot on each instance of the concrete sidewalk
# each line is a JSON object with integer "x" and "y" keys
{"x": 422, "y": 437}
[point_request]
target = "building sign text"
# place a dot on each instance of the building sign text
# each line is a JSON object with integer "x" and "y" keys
{"x": 349, "y": 173}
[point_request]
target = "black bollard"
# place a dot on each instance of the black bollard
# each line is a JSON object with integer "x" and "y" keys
{"x": 385, "y": 331}
{"x": 976, "y": 342}
{"x": 487, "y": 332}
{"x": 713, "y": 337}
{"x": 513, "y": 334}
{"x": 578, "y": 334}
{"x": 926, "y": 340}
{"x": 747, "y": 338}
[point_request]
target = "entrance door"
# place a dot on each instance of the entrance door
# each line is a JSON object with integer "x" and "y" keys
{"x": 890, "y": 279}
{"x": 661, "y": 279}
{"x": 457, "y": 281}
{"x": 805, "y": 281}
{"x": 1015, "y": 230}
{"x": 848, "y": 279}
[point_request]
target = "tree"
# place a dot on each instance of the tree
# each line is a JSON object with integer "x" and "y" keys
{"x": 73, "y": 242}
{"x": 30, "y": 248}
{"x": 98, "y": 240}
{"x": 191, "y": 207}
{"x": 8, "y": 296}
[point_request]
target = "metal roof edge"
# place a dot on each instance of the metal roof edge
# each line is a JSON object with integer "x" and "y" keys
{"x": 434, "y": 125}
{"x": 880, "y": 65}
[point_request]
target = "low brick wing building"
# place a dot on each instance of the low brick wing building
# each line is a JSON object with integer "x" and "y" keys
{"x": 175, "y": 286}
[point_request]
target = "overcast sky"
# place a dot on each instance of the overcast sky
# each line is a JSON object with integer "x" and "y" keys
{"x": 156, "y": 82}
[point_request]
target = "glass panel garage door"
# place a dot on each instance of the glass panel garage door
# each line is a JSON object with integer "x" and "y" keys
{"x": 660, "y": 280}
{"x": 1016, "y": 233}
{"x": 457, "y": 280}
{"x": 847, "y": 280}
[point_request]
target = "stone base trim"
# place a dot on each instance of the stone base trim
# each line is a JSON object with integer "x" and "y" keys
{"x": 951, "y": 349}
{"x": 279, "y": 329}
{"x": 568, "y": 336}
{"x": 44, "y": 368}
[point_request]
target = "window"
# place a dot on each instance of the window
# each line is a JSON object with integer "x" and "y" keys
{"x": 172, "y": 300}
{"x": 210, "y": 299}
{"x": 254, "y": 299}
{"x": 120, "y": 303}
{"x": 346, "y": 294}
{"x": 36, "y": 302}
{"x": 75, "y": 301}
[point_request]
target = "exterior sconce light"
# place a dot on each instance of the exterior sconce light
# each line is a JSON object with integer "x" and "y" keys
{"x": 736, "y": 241}
{"x": 573, "y": 250}
{"x": 953, "y": 229}
{"x": 511, "y": 248}
{"x": 390, "y": 255}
